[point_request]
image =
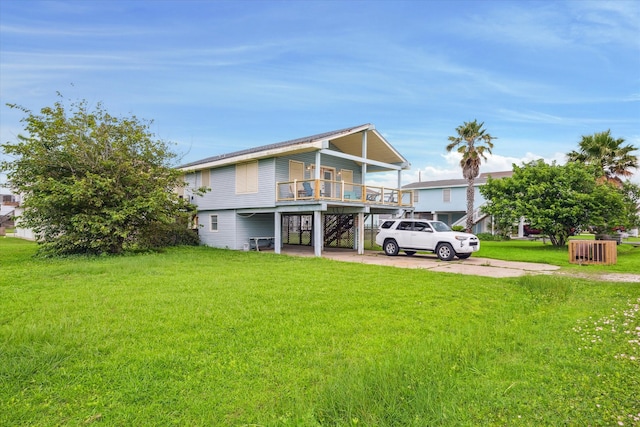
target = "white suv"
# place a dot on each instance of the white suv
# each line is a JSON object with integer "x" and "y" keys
{"x": 412, "y": 235}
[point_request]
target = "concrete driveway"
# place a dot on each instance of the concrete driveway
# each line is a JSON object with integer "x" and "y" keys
{"x": 473, "y": 265}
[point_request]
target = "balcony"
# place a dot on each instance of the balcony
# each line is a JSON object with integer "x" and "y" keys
{"x": 314, "y": 190}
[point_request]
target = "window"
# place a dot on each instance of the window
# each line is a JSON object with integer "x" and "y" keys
{"x": 421, "y": 226}
{"x": 405, "y": 225}
{"x": 213, "y": 223}
{"x": 296, "y": 170}
{"x": 206, "y": 178}
{"x": 416, "y": 196}
{"x": 180, "y": 188}
{"x": 296, "y": 173}
{"x": 247, "y": 177}
{"x": 346, "y": 175}
{"x": 446, "y": 195}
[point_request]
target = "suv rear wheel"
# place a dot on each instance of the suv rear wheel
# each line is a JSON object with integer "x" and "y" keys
{"x": 445, "y": 252}
{"x": 391, "y": 247}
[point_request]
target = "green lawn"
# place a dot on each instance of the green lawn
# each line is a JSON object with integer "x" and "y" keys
{"x": 538, "y": 251}
{"x": 200, "y": 337}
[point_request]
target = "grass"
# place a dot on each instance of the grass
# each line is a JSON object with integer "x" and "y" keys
{"x": 538, "y": 251}
{"x": 199, "y": 336}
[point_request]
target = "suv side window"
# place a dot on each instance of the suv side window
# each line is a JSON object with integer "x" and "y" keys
{"x": 421, "y": 226}
{"x": 387, "y": 224}
{"x": 404, "y": 225}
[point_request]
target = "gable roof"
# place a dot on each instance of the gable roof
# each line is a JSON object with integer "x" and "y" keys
{"x": 445, "y": 183}
{"x": 347, "y": 140}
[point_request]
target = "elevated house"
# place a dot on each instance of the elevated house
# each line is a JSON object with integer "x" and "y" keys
{"x": 446, "y": 200}
{"x": 307, "y": 191}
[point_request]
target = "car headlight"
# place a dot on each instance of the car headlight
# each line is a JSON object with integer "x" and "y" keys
{"x": 461, "y": 238}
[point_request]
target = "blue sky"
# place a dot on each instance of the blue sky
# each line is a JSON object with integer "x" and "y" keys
{"x": 218, "y": 76}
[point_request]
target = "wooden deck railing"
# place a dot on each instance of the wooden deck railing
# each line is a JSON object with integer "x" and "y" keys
{"x": 341, "y": 191}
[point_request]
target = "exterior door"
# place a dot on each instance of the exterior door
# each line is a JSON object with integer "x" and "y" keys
{"x": 403, "y": 234}
{"x": 423, "y": 236}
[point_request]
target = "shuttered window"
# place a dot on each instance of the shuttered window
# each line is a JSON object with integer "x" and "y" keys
{"x": 180, "y": 188}
{"x": 247, "y": 178}
{"x": 446, "y": 195}
{"x": 206, "y": 178}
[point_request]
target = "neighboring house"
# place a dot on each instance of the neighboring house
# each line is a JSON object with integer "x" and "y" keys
{"x": 446, "y": 200}
{"x": 308, "y": 191}
{"x": 10, "y": 212}
{"x": 8, "y": 205}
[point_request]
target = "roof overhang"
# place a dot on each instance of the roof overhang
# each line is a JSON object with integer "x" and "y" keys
{"x": 348, "y": 143}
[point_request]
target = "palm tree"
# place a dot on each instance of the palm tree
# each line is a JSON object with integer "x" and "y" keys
{"x": 469, "y": 135}
{"x": 608, "y": 153}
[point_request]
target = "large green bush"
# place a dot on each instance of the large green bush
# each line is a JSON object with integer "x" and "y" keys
{"x": 93, "y": 183}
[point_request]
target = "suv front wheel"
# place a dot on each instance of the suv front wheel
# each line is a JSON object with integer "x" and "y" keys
{"x": 445, "y": 252}
{"x": 391, "y": 247}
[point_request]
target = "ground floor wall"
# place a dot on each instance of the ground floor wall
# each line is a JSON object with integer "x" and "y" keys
{"x": 218, "y": 229}
{"x": 229, "y": 229}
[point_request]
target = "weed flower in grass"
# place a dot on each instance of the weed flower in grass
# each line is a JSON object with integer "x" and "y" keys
{"x": 617, "y": 337}
{"x": 627, "y": 321}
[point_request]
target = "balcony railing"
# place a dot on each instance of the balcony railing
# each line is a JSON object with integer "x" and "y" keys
{"x": 341, "y": 191}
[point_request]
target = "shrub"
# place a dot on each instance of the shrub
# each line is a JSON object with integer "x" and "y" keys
{"x": 492, "y": 237}
{"x": 158, "y": 235}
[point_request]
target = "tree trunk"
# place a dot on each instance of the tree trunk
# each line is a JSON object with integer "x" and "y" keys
{"x": 470, "y": 202}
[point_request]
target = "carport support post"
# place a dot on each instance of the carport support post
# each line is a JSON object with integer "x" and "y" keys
{"x": 360, "y": 223}
{"x": 317, "y": 233}
{"x": 277, "y": 234}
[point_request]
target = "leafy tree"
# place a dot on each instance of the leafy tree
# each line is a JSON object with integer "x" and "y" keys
{"x": 91, "y": 183}
{"x": 557, "y": 199}
{"x": 613, "y": 158}
{"x": 631, "y": 193}
{"x": 470, "y": 134}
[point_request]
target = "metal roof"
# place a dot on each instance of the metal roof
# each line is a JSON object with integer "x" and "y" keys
{"x": 444, "y": 183}
{"x": 345, "y": 140}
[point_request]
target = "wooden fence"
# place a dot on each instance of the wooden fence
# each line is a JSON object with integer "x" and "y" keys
{"x": 603, "y": 252}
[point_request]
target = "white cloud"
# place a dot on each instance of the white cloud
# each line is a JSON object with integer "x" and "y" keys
{"x": 450, "y": 168}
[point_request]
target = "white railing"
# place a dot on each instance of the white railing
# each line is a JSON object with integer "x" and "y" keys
{"x": 478, "y": 216}
{"x": 323, "y": 189}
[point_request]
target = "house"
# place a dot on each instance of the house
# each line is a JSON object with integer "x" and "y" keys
{"x": 446, "y": 200}
{"x": 11, "y": 210}
{"x": 307, "y": 191}
{"x": 8, "y": 204}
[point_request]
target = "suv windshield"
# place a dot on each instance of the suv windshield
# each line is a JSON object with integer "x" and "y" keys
{"x": 440, "y": 226}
